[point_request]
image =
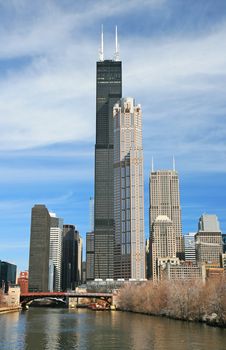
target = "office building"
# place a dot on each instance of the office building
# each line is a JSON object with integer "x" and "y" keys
{"x": 165, "y": 200}
{"x": 79, "y": 269}
{"x": 208, "y": 223}
{"x": 55, "y": 253}
{"x": 208, "y": 248}
{"x": 7, "y": 275}
{"x": 39, "y": 249}
{"x": 183, "y": 271}
{"x": 208, "y": 241}
{"x": 70, "y": 258}
{"x": 90, "y": 256}
{"x": 129, "y": 252}
{"x": 163, "y": 243}
{"x": 108, "y": 92}
{"x": 189, "y": 247}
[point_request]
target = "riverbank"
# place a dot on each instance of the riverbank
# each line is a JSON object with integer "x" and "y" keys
{"x": 5, "y": 310}
{"x": 179, "y": 300}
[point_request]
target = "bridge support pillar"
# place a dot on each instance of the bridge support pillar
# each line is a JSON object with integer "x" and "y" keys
{"x": 72, "y": 302}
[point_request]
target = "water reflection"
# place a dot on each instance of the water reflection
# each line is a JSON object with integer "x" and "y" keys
{"x": 57, "y": 329}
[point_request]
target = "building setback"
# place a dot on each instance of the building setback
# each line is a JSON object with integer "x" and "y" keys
{"x": 108, "y": 92}
{"x": 129, "y": 252}
{"x": 39, "y": 249}
{"x": 165, "y": 200}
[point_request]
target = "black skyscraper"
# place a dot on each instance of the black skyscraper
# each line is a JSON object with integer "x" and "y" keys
{"x": 70, "y": 257}
{"x": 108, "y": 92}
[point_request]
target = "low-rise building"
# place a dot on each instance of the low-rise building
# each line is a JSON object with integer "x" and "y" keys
{"x": 183, "y": 271}
{"x": 12, "y": 297}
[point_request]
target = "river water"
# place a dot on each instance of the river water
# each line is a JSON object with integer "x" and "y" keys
{"x": 51, "y": 329}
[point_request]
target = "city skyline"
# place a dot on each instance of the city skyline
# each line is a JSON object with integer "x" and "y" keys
{"x": 48, "y": 118}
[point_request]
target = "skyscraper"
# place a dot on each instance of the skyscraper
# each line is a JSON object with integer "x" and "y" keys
{"x": 209, "y": 223}
{"x": 70, "y": 257}
{"x": 39, "y": 249}
{"x": 209, "y": 241}
{"x": 165, "y": 200}
{"x": 108, "y": 92}
{"x": 129, "y": 254}
{"x": 55, "y": 253}
{"x": 163, "y": 243}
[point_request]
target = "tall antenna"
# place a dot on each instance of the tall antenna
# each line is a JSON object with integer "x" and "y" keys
{"x": 174, "y": 164}
{"x": 116, "y": 45}
{"x": 152, "y": 164}
{"x": 101, "y": 51}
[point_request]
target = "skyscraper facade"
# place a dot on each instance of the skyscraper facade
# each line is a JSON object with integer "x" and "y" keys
{"x": 7, "y": 275}
{"x": 70, "y": 257}
{"x": 89, "y": 256}
{"x": 209, "y": 241}
{"x": 209, "y": 223}
{"x": 108, "y": 92}
{"x": 39, "y": 249}
{"x": 165, "y": 200}
{"x": 129, "y": 252}
{"x": 163, "y": 243}
{"x": 55, "y": 253}
{"x": 189, "y": 247}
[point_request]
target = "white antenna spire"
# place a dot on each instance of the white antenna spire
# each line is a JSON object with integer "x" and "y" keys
{"x": 174, "y": 164}
{"x": 116, "y": 45}
{"x": 152, "y": 164}
{"x": 101, "y": 51}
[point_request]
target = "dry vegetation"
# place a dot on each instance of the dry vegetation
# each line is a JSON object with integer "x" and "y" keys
{"x": 185, "y": 300}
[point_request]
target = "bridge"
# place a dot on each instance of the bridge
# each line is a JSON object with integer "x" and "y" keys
{"x": 71, "y": 298}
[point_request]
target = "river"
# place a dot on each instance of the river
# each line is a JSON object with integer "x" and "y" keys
{"x": 59, "y": 329}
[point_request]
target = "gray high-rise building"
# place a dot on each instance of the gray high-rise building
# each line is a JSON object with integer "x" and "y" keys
{"x": 209, "y": 223}
{"x": 108, "y": 92}
{"x": 129, "y": 252}
{"x": 39, "y": 249}
{"x": 165, "y": 200}
{"x": 209, "y": 241}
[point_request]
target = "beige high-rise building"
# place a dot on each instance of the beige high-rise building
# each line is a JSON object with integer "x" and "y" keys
{"x": 129, "y": 251}
{"x": 165, "y": 200}
{"x": 163, "y": 243}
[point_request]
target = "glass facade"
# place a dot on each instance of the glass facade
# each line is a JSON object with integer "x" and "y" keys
{"x": 7, "y": 275}
{"x": 108, "y": 92}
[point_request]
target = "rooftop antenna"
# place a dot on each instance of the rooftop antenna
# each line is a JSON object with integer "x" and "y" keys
{"x": 101, "y": 51}
{"x": 174, "y": 164}
{"x": 116, "y": 45}
{"x": 152, "y": 164}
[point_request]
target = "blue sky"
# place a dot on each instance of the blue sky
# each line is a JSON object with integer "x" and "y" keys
{"x": 174, "y": 64}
